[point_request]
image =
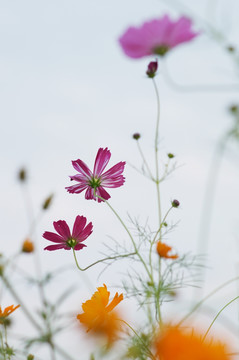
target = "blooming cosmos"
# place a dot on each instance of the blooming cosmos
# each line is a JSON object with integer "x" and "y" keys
{"x": 7, "y": 311}
{"x": 99, "y": 316}
{"x": 163, "y": 251}
{"x": 95, "y": 182}
{"x": 156, "y": 37}
{"x": 177, "y": 344}
{"x": 67, "y": 240}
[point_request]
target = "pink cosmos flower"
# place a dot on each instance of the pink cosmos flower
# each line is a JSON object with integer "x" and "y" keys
{"x": 65, "y": 239}
{"x": 95, "y": 182}
{"x": 156, "y": 37}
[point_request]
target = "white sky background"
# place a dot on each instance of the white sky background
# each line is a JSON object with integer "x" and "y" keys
{"x": 66, "y": 89}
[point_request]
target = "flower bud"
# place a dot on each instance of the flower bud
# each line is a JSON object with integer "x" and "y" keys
{"x": 170, "y": 156}
{"x": 233, "y": 109}
{"x": 152, "y": 69}
{"x": 30, "y": 357}
{"x": 47, "y": 202}
{"x": 175, "y": 203}
{"x": 231, "y": 48}
{"x": 27, "y": 246}
{"x": 136, "y": 136}
{"x": 22, "y": 175}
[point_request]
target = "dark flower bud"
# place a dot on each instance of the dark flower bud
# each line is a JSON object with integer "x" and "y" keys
{"x": 136, "y": 136}
{"x": 152, "y": 69}
{"x": 1, "y": 270}
{"x": 231, "y": 48}
{"x": 30, "y": 357}
{"x": 234, "y": 109}
{"x": 47, "y": 202}
{"x": 175, "y": 203}
{"x": 170, "y": 156}
{"x": 22, "y": 175}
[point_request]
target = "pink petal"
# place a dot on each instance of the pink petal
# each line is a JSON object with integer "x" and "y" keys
{"x": 80, "y": 178}
{"x": 102, "y": 193}
{"x": 79, "y": 225}
{"x": 79, "y": 246}
{"x": 89, "y": 194}
{"x": 181, "y": 32}
{"x": 57, "y": 247}
{"x": 76, "y": 189}
{"x": 142, "y": 41}
{"x": 85, "y": 232}
{"x": 101, "y": 160}
{"x": 62, "y": 228}
{"x": 82, "y": 168}
{"x": 53, "y": 237}
{"x": 114, "y": 182}
{"x": 115, "y": 171}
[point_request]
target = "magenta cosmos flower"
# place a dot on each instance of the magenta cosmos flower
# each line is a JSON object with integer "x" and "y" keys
{"x": 156, "y": 37}
{"x": 64, "y": 238}
{"x": 95, "y": 182}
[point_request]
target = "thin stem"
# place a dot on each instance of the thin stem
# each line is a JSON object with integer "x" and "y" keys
{"x": 2, "y": 346}
{"x": 237, "y": 297}
{"x": 144, "y": 161}
{"x": 206, "y": 298}
{"x": 101, "y": 260}
{"x": 208, "y": 202}
{"x": 63, "y": 353}
{"x": 157, "y": 180}
{"x": 129, "y": 233}
{"x": 19, "y": 301}
{"x": 141, "y": 340}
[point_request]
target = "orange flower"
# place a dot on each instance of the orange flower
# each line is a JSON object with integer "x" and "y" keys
{"x": 98, "y": 315}
{"x": 7, "y": 311}
{"x": 176, "y": 344}
{"x": 27, "y": 246}
{"x": 163, "y": 250}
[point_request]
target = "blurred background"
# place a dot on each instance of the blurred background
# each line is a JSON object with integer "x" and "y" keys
{"x": 67, "y": 89}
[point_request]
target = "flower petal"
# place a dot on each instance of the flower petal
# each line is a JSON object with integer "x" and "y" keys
{"x": 57, "y": 247}
{"x": 62, "y": 228}
{"x": 113, "y": 178}
{"x": 101, "y": 160}
{"x": 85, "y": 232}
{"x": 82, "y": 168}
{"x": 79, "y": 246}
{"x": 79, "y": 225}
{"x": 102, "y": 193}
{"x": 89, "y": 194}
{"x": 76, "y": 189}
{"x": 53, "y": 237}
{"x": 116, "y": 300}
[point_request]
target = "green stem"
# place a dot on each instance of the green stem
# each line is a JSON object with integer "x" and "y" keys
{"x": 141, "y": 340}
{"x": 101, "y": 260}
{"x": 237, "y": 297}
{"x": 129, "y": 233}
{"x": 208, "y": 203}
{"x": 2, "y": 346}
{"x": 145, "y": 162}
{"x": 19, "y": 301}
{"x": 206, "y": 298}
{"x": 63, "y": 353}
{"x": 157, "y": 180}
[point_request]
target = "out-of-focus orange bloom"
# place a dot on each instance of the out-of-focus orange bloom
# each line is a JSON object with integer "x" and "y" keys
{"x": 98, "y": 315}
{"x": 27, "y": 246}
{"x": 177, "y": 344}
{"x": 7, "y": 311}
{"x": 163, "y": 251}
